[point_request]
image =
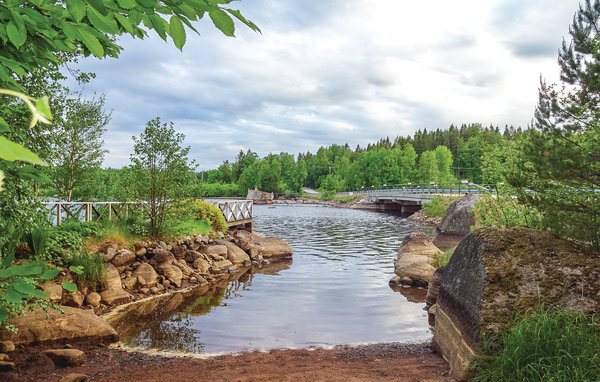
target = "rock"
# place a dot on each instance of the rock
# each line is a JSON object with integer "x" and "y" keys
{"x": 113, "y": 293}
{"x": 38, "y": 362}
{"x": 65, "y": 357}
{"x": 171, "y": 271}
{"x": 433, "y": 289}
{"x": 123, "y": 258}
{"x": 185, "y": 269}
{"x": 74, "y": 324}
{"x": 154, "y": 290}
{"x": 129, "y": 282}
{"x": 75, "y": 377}
{"x": 272, "y": 248}
{"x": 201, "y": 265}
{"x": 7, "y": 366}
{"x": 459, "y": 216}
{"x": 192, "y": 255}
{"x": 141, "y": 252}
{"x": 93, "y": 299}
{"x": 7, "y": 346}
{"x": 161, "y": 256}
{"x": 222, "y": 264}
{"x": 4, "y": 357}
{"x": 146, "y": 275}
{"x": 53, "y": 290}
{"x": 413, "y": 265}
{"x": 74, "y": 299}
{"x": 179, "y": 251}
{"x": 215, "y": 250}
{"x": 244, "y": 240}
{"x": 110, "y": 252}
{"x": 497, "y": 273}
{"x": 235, "y": 254}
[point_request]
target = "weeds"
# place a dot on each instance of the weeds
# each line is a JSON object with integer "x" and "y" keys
{"x": 92, "y": 265}
{"x": 549, "y": 346}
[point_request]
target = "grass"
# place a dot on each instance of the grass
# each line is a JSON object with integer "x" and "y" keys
{"x": 189, "y": 227}
{"x": 93, "y": 268}
{"x": 437, "y": 206}
{"x": 442, "y": 258}
{"x": 550, "y": 346}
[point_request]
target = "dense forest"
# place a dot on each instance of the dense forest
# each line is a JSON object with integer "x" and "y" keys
{"x": 469, "y": 152}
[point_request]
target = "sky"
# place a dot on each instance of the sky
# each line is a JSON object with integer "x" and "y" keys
{"x": 328, "y": 72}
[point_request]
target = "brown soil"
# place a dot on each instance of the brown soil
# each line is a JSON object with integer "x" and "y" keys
{"x": 381, "y": 362}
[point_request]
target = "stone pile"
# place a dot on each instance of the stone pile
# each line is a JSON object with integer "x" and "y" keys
{"x": 158, "y": 267}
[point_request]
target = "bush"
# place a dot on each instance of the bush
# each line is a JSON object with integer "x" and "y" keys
{"x": 437, "y": 207}
{"x": 199, "y": 210}
{"x": 545, "y": 346}
{"x": 93, "y": 268}
{"x": 506, "y": 212}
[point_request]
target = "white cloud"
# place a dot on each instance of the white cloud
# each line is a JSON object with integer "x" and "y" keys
{"x": 335, "y": 72}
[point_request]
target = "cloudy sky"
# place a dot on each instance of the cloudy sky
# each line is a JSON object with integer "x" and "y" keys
{"x": 334, "y": 71}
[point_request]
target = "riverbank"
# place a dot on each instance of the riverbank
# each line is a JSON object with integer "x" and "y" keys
{"x": 380, "y": 362}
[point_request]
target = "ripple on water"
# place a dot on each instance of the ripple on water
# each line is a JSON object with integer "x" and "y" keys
{"x": 334, "y": 292}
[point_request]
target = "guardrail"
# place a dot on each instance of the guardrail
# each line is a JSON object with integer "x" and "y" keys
{"x": 431, "y": 188}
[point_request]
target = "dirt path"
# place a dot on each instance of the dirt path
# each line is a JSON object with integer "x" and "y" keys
{"x": 382, "y": 362}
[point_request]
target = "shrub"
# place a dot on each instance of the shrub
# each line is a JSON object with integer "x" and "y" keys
{"x": 544, "y": 346}
{"x": 503, "y": 211}
{"x": 197, "y": 209}
{"x": 93, "y": 267}
{"x": 437, "y": 206}
{"x": 37, "y": 240}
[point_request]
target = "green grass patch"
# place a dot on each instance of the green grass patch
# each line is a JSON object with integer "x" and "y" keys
{"x": 348, "y": 198}
{"x": 549, "y": 346}
{"x": 188, "y": 227}
{"x": 92, "y": 266}
{"x": 442, "y": 258}
{"x": 436, "y": 207}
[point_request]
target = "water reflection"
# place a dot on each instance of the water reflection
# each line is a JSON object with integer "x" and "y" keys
{"x": 334, "y": 292}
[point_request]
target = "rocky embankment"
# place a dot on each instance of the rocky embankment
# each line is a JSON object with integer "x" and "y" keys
{"x": 141, "y": 272}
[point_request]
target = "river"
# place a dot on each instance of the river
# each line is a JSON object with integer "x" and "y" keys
{"x": 335, "y": 291}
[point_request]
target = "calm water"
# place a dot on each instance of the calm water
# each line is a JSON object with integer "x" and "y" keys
{"x": 334, "y": 292}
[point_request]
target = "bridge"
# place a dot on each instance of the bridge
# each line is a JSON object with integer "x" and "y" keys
{"x": 237, "y": 213}
{"x": 408, "y": 198}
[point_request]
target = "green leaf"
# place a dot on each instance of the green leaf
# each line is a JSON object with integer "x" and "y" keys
{"x": 12, "y": 296}
{"x": 50, "y": 274}
{"x": 76, "y": 9}
{"x": 91, "y": 42}
{"x": 127, "y": 4}
{"x": 3, "y": 315}
{"x": 4, "y": 128}
{"x": 16, "y": 35}
{"x": 28, "y": 289}
{"x": 77, "y": 269}
{"x": 12, "y": 151}
{"x": 69, "y": 286}
{"x": 238, "y": 15}
{"x": 177, "y": 32}
{"x": 124, "y": 21}
{"x": 103, "y": 23}
{"x": 42, "y": 105}
{"x": 7, "y": 261}
{"x": 222, "y": 21}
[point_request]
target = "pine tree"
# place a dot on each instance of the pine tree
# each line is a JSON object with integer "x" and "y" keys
{"x": 561, "y": 174}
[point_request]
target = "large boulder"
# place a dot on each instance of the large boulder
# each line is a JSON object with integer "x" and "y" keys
{"x": 459, "y": 217}
{"x": 74, "y": 324}
{"x": 172, "y": 272}
{"x": 146, "y": 275}
{"x": 272, "y": 248}
{"x": 113, "y": 292}
{"x": 415, "y": 256}
{"x": 497, "y": 273}
{"x": 234, "y": 253}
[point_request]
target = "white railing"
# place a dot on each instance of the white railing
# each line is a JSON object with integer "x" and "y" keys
{"x": 233, "y": 211}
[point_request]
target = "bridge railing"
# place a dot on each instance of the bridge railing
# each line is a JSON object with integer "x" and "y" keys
{"x": 234, "y": 211}
{"x": 430, "y": 188}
